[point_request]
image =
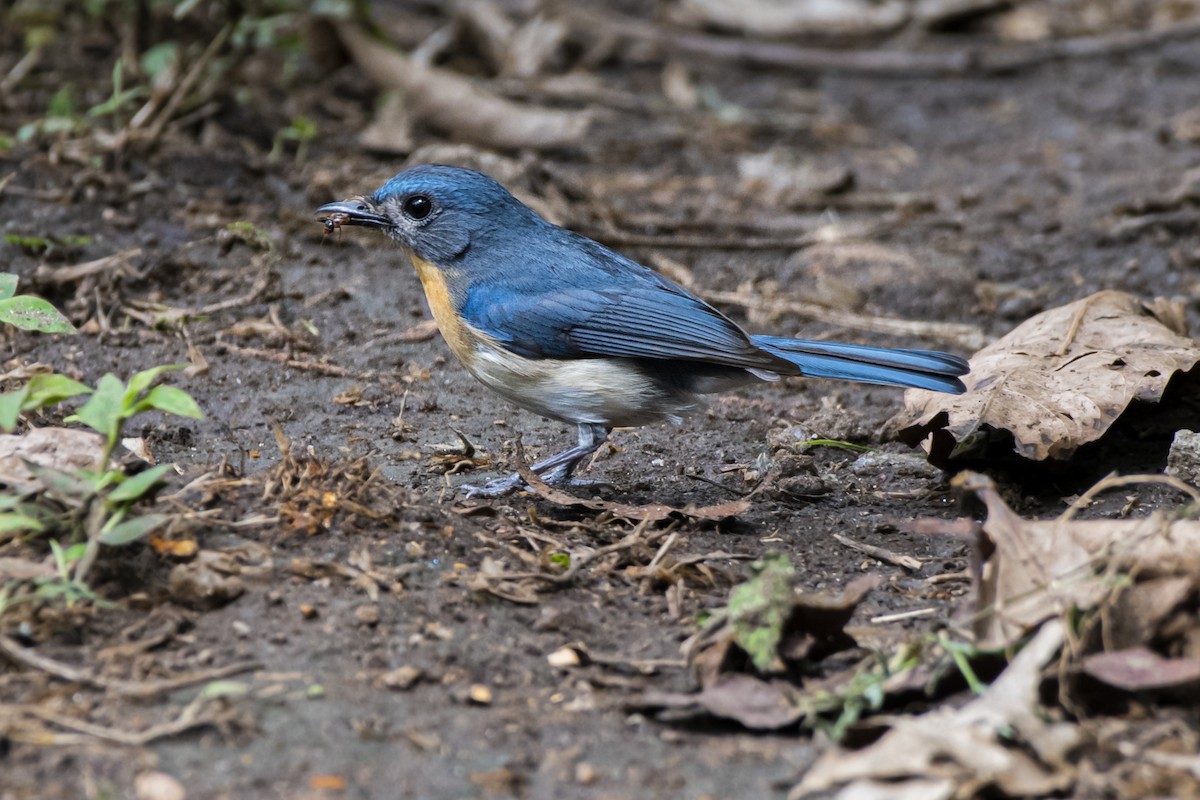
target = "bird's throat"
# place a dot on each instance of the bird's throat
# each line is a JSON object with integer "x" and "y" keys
{"x": 445, "y": 310}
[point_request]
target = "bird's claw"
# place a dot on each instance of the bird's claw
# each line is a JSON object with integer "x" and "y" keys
{"x": 501, "y": 487}
{"x": 495, "y": 488}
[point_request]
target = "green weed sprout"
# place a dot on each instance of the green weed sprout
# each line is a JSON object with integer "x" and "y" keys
{"x": 29, "y": 313}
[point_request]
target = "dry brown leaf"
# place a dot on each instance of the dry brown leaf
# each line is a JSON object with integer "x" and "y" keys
{"x": 1031, "y": 570}
{"x": 998, "y": 739}
{"x": 756, "y": 703}
{"x": 64, "y": 449}
{"x": 1056, "y": 382}
{"x": 20, "y": 569}
{"x": 1140, "y": 669}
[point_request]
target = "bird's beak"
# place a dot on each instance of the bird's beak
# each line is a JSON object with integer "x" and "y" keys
{"x": 352, "y": 212}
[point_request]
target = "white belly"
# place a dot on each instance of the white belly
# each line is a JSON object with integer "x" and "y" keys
{"x": 615, "y": 392}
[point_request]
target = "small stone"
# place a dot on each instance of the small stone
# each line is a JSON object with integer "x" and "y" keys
{"x": 198, "y": 586}
{"x": 885, "y": 467}
{"x": 564, "y": 657}
{"x": 158, "y": 786}
{"x": 400, "y": 679}
{"x": 367, "y": 615}
{"x": 585, "y": 774}
{"x": 240, "y": 629}
{"x": 308, "y": 611}
{"x": 1183, "y": 461}
{"x": 479, "y": 694}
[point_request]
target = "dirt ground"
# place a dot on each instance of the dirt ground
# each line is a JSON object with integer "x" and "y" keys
{"x": 984, "y": 199}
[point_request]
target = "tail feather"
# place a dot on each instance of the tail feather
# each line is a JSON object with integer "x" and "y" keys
{"x": 919, "y": 369}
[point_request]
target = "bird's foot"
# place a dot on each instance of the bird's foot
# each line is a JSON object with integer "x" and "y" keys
{"x": 501, "y": 487}
{"x": 495, "y": 488}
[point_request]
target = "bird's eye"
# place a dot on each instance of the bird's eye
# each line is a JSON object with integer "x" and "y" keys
{"x": 418, "y": 206}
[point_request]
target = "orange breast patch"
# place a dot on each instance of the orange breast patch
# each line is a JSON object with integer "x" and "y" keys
{"x": 445, "y": 312}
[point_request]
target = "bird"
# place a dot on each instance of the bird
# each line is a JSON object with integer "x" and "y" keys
{"x": 570, "y": 329}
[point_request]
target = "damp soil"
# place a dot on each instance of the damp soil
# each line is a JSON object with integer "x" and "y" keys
{"x": 1023, "y": 179}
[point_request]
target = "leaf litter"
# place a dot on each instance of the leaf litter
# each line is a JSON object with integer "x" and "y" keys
{"x": 589, "y": 546}
{"x": 1056, "y": 382}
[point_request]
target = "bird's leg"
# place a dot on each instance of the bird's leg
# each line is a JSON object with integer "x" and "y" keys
{"x": 553, "y": 470}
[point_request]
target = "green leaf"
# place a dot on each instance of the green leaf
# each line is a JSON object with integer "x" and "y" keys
{"x": 102, "y": 413}
{"x": 159, "y": 58}
{"x": 144, "y": 380}
{"x": 216, "y": 689}
{"x": 16, "y": 521}
{"x": 134, "y": 487}
{"x": 10, "y": 407}
{"x": 132, "y": 529}
{"x": 63, "y": 485}
{"x": 74, "y": 552}
{"x": 47, "y": 390}
{"x": 62, "y": 104}
{"x": 172, "y": 400}
{"x": 759, "y": 608}
{"x": 8, "y": 285}
{"x": 11, "y": 501}
{"x": 34, "y": 314}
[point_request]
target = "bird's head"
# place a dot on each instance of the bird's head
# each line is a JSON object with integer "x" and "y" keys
{"x": 437, "y": 211}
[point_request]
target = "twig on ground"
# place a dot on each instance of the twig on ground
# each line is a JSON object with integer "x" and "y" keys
{"x": 1113, "y": 481}
{"x": 189, "y": 718}
{"x": 28, "y": 657}
{"x": 880, "y": 553}
{"x": 57, "y": 275}
{"x": 455, "y": 104}
{"x": 884, "y": 63}
{"x": 319, "y": 367}
{"x": 903, "y": 615}
{"x": 185, "y": 86}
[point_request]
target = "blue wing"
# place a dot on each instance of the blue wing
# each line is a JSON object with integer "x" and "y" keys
{"x": 605, "y": 305}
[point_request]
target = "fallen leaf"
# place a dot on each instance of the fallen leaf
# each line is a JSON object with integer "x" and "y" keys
{"x": 176, "y": 548}
{"x": 1140, "y": 669}
{"x": 1056, "y": 382}
{"x": 19, "y": 569}
{"x": 999, "y": 739}
{"x": 746, "y": 699}
{"x": 64, "y": 449}
{"x": 1030, "y": 570}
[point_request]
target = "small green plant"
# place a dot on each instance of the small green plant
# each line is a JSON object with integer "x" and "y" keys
{"x": 759, "y": 607}
{"x": 301, "y": 131}
{"x": 60, "y": 118}
{"x": 42, "y": 391}
{"x": 121, "y": 100}
{"x": 27, "y": 312}
{"x": 46, "y": 245}
{"x": 92, "y": 505}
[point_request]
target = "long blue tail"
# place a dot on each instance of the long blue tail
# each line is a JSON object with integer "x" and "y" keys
{"x": 920, "y": 369}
